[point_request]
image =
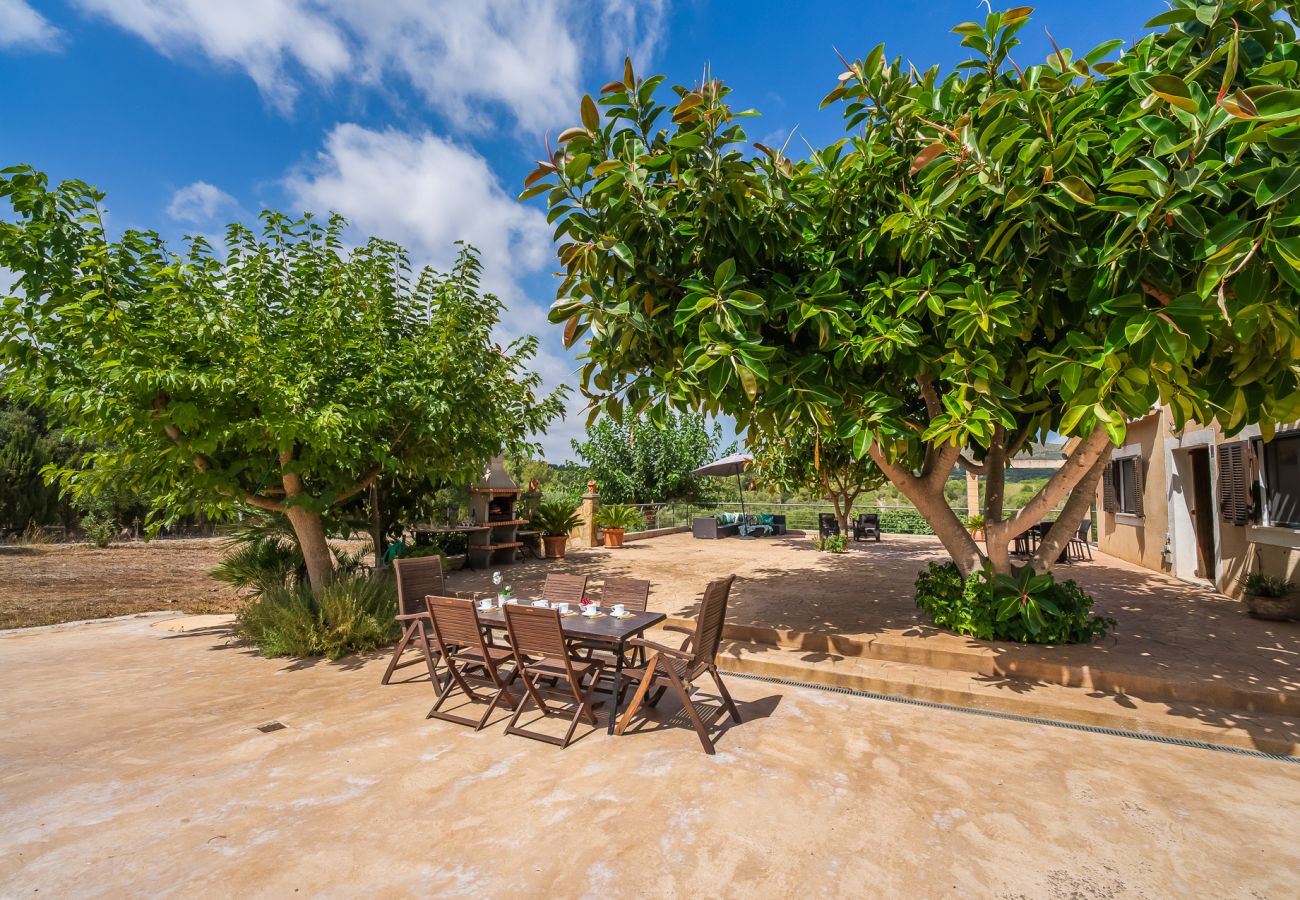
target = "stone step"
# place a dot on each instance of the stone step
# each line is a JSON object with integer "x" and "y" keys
{"x": 1019, "y": 696}
{"x": 947, "y": 652}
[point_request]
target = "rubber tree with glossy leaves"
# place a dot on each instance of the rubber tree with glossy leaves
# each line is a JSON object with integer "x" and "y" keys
{"x": 283, "y": 372}
{"x": 989, "y": 255}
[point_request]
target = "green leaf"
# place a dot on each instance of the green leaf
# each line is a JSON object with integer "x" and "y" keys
{"x": 1077, "y": 188}
{"x": 725, "y": 272}
{"x": 1278, "y": 105}
{"x": 1174, "y": 90}
{"x": 590, "y": 114}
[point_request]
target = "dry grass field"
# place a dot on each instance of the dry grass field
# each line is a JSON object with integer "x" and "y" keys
{"x": 44, "y": 584}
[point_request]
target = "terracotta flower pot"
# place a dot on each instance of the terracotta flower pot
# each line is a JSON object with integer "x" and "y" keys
{"x": 1274, "y": 609}
{"x": 614, "y": 537}
{"x": 554, "y": 544}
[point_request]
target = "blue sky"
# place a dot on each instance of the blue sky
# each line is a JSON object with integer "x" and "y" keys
{"x": 418, "y": 119}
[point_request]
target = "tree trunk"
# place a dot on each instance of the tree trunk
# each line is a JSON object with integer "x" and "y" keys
{"x": 378, "y": 527}
{"x": 307, "y": 527}
{"x": 927, "y": 496}
{"x": 1071, "y": 516}
{"x": 310, "y": 531}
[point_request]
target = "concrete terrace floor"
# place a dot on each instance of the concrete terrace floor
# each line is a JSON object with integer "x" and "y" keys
{"x": 133, "y": 765}
{"x": 1167, "y": 628}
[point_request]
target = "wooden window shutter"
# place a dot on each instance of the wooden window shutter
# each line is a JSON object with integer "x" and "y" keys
{"x": 1108, "y": 488}
{"x": 1138, "y": 508}
{"x": 1234, "y": 483}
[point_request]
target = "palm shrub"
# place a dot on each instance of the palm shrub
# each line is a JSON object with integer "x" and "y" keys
{"x": 354, "y": 613}
{"x": 617, "y": 515}
{"x": 556, "y": 518}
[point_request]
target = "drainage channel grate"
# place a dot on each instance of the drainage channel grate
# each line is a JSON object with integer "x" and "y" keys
{"x": 1013, "y": 717}
{"x": 271, "y": 726}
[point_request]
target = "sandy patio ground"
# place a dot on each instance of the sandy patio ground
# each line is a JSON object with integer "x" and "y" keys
{"x": 134, "y": 766}
{"x": 1166, "y": 626}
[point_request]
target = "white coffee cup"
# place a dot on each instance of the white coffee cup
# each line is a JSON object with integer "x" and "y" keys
{"x": 619, "y": 610}
{"x": 592, "y": 610}
{"x": 485, "y": 603}
{"x": 562, "y": 608}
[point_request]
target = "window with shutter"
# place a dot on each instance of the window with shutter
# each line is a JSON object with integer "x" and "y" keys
{"x": 1282, "y": 481}
{"x": 1122, "y": 486}
{"x": 1138, "y": 508}
{"x": 1234, "y": 483}
{"x": 1108, "y": 488}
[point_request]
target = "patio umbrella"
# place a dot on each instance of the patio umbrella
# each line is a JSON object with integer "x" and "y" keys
{"x": 728, "y": 465}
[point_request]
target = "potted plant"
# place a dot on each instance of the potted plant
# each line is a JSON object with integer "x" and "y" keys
{"x": 975, "y": 525}
{"x": 1268, "y": 597}
{"x": 555, "y": 520}
{"x": 615, "y": 520}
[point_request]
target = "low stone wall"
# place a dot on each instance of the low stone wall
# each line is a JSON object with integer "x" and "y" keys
{"x": 654, "y": 533}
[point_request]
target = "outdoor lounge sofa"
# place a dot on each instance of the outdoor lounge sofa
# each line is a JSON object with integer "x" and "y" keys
{"x": 728, "y": 524}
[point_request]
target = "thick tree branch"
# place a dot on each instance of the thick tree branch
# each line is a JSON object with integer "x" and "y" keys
{"x": 933, "y": 406}
{"x": 201, "y": 463}
{"x": 1076, "y": 467}
{"x": 365, "y": 482}
{"x": 1071, "y": 515}
{"x": 971, "y": 466}
{"x": 1162, "y": 297}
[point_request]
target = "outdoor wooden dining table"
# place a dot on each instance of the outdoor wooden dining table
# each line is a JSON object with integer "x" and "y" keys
{"x": 603, "y": 629}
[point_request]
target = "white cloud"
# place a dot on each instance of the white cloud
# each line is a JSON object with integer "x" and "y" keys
{"x": 22, "y": 25}
{"x": 198, "y": 203}
{"x": 260, "y": 36}
{"x": 423, "y": 191}
{"x": 457, "y": 54}
{"x": 426, "y": 192}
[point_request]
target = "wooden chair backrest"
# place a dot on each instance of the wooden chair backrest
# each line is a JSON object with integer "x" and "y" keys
{"x": 633, "y": 593}
{"x": 416, "y": 579}
{"x": 564, "y": 588}
{"x": 455, "y": 623}
{"x": 535, "y": 631}
{"x": 713, "y": 614}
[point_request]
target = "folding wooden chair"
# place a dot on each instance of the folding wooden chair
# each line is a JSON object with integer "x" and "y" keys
{"x": 540, "y": 652}
{"x": 634, "y": 594}
{"x": 416, "y": 579}
{"x": 679, "y": 668}
{"x": 459, "y": 639}
{"x": 564, "y": 588}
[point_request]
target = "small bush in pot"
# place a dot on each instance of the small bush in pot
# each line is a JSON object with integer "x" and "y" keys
{"x": 1268, "y": 597}
{"x": 975, "y": 525}
{"x": 615, "y": 520}
{"x": 555, "y": 519}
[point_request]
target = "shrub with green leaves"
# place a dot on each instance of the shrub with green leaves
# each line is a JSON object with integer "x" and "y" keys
{"x": 100, "y": 521}
{"x": 616, "y": 515}
{"x": 832, "y": 543}
{"x": 352, "y": 614}
{"x": 1024, "y": 607}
